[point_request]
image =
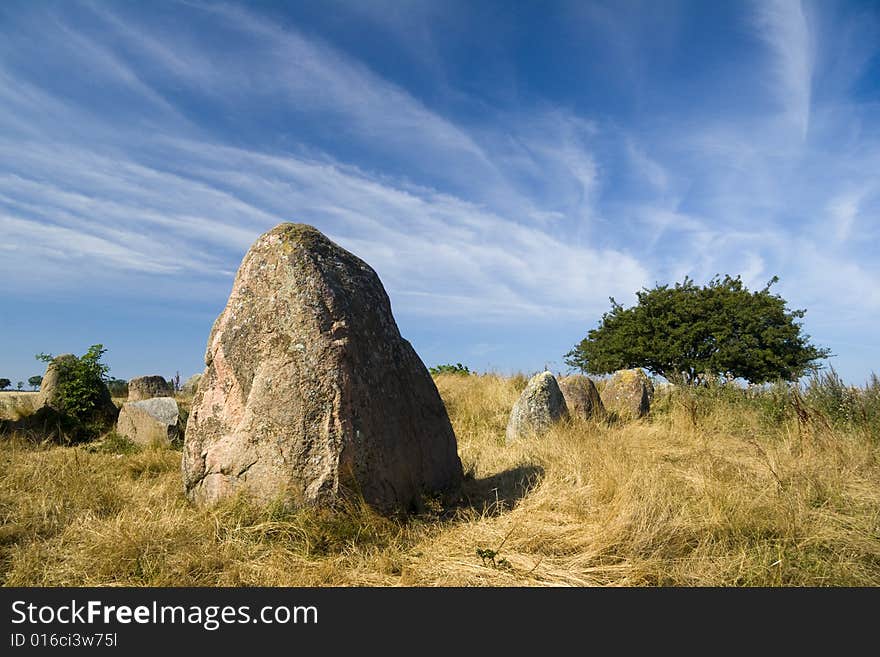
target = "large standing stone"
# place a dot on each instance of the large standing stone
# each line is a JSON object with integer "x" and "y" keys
{"x": 581, "y": 397}
{"x": 310, "y": 391}
{"x": 626, "y": 394}
{"x": 147, "y": 387}
{"x": 150, "y": 421}
{"x": 539, "y": 406}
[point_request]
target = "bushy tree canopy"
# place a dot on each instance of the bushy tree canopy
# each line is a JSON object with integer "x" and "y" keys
{"x": 686, "y": 333}
{"x": 81, "y": 381}
{"x": 448, "y": 368}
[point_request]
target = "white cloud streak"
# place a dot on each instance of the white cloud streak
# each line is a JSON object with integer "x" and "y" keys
{"x": 511, "y": 221}
{"x": 784, "y": 26}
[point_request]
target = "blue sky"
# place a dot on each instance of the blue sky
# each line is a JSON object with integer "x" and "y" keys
{"x": 505, "y": 167}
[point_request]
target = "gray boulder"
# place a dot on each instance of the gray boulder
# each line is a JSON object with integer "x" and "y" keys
{"x": 581, "y": 397}
{"x": 539, "y": 406}
{"x": 150, "y": 421}
{"x": 146, "y": 387}
{"x": 310, "y": 393}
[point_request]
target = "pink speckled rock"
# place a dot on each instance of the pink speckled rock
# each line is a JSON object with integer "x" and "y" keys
{"x": 581, "y": 397}
{"x": 310, "y": 392}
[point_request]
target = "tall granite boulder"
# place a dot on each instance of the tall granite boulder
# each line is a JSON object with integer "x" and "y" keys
{"x": 147, "y": 387}
{"x": 626, "y": 394}
{"x": 581, "y": 397}
{"x": 310, "y": 392}
{"x": 150, "y": 421}
{"x": 539, "y": 406}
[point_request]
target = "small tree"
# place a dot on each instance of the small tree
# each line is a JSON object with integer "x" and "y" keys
{"x": 19, "y": 385}
{"x": 5, "y": 383}
{"x": 35, "y": 381}
{"x": 687, "y": 333}
{"x": 81, "y": 381}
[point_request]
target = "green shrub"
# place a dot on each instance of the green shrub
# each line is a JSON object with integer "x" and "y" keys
{"x": 458, "y": 368}
{"x": 80, "y": 381}
{"x": 80, "y": 398}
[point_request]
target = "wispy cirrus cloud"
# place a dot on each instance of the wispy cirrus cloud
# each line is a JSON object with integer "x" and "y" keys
{"x": 783, "y": 24}
{"x": 425, "y": 244}
{"x": 190, "y": 186}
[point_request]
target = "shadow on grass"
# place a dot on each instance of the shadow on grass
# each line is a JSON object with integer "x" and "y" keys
{"x": 500, "y": 492}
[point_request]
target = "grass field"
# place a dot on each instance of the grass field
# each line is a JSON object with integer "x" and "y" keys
{"x": 717, "y": 487}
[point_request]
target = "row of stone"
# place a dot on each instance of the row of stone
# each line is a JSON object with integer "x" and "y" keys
{"x": 310, "y": 393}
{"x": 151, "y": 415}
{"x": 546, "y": 401}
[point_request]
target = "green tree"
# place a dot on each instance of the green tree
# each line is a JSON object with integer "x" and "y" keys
{"x": 35, "y": 381}
{"x": 448, "y": 368}
{"x": 5, "y": 383}
{"x": 20, "y": 385}
{"x": 687, "y": 333}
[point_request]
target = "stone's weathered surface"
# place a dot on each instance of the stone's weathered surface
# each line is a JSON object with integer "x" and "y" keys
{"x": 581, "y": 397}
{"x": 626, "y": 394}
{"x": 150, "y": 421}
{"x": 539, "y": 406}
{"x": 146, "y": 387}
{"x": 48, "y": 395}
{"x": 104, "y": 413}
{"x": 310, "y": 392}
{"x": 191, "y": 385}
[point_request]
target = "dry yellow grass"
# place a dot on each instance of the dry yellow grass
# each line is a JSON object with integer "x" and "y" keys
{"x": 720, "y": 497}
